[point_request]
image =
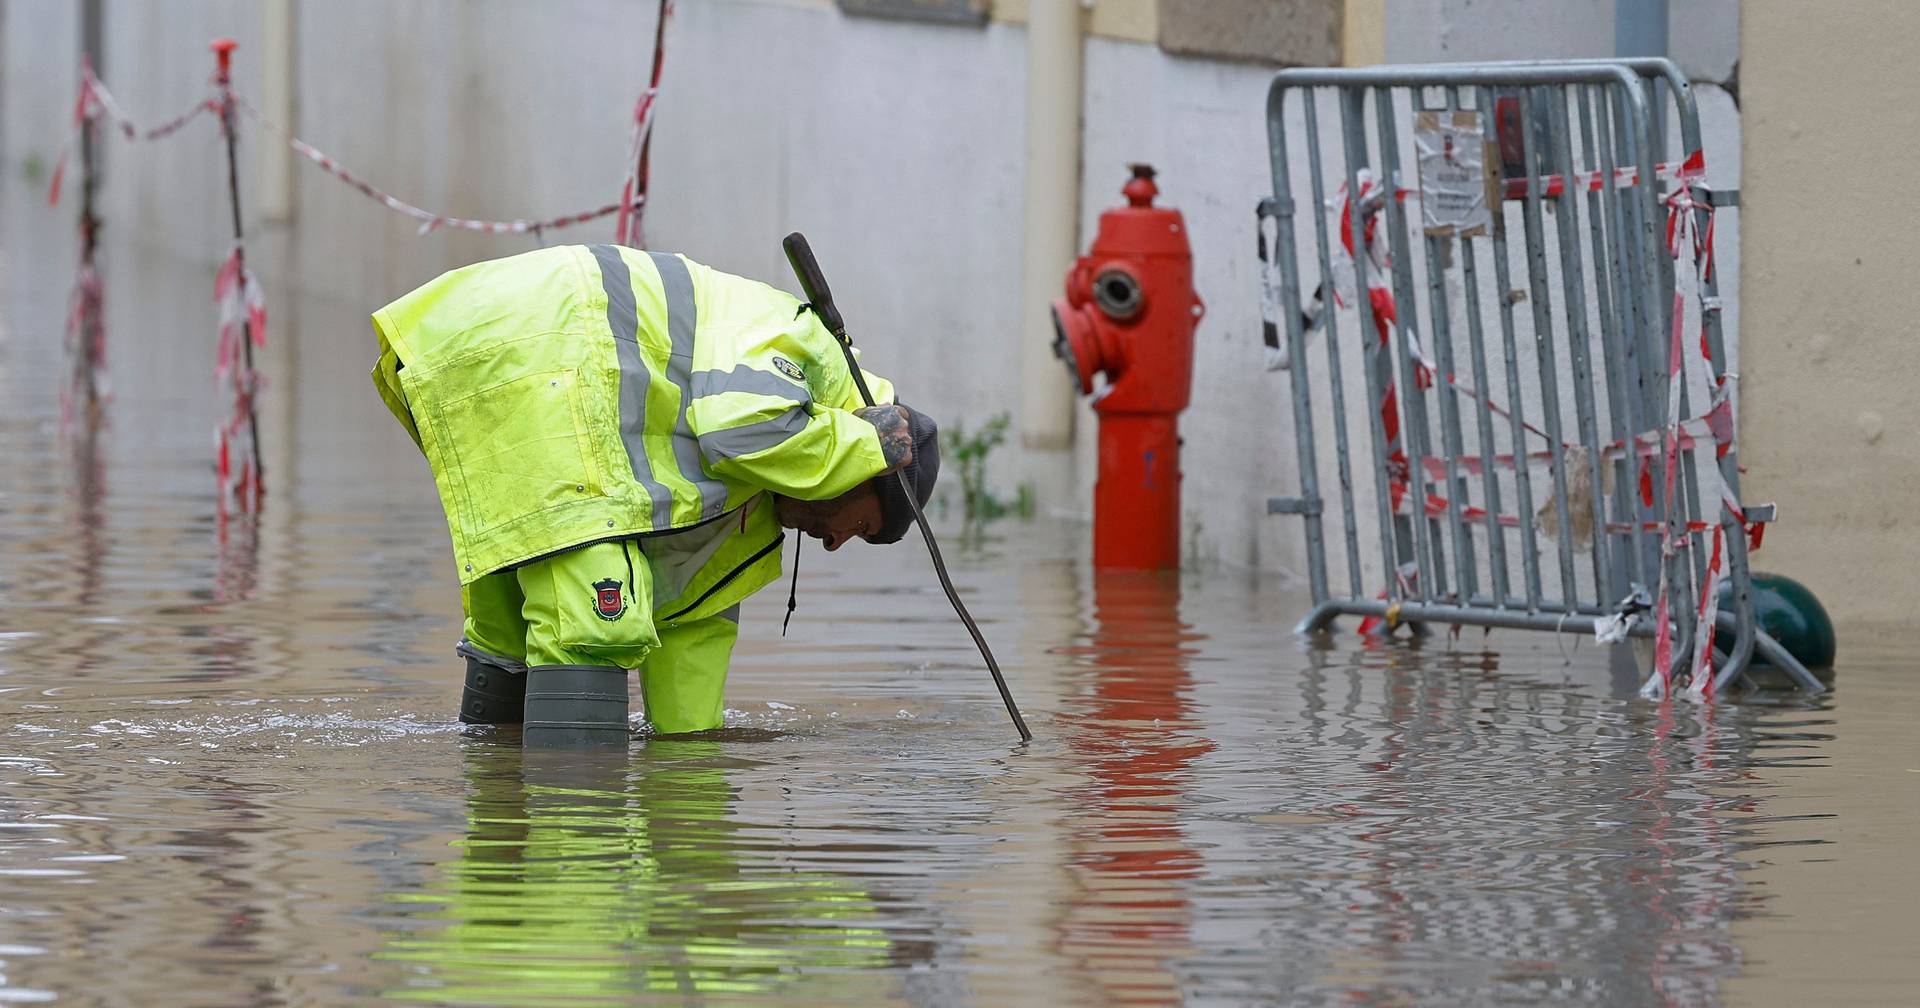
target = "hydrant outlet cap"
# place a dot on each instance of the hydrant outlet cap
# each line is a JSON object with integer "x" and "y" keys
{"x": 1140, "y": 189}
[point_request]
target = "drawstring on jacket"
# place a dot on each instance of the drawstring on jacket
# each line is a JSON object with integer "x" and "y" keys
{"x": 793, "y": 591}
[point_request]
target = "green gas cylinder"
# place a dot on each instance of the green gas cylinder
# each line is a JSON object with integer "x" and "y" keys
{"x": 1787, "y": 611}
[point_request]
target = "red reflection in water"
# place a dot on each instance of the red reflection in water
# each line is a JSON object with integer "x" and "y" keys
{"x": 1133, "y": 729}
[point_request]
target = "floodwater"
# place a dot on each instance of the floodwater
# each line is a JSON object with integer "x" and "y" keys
{"x": 230, "y": 774}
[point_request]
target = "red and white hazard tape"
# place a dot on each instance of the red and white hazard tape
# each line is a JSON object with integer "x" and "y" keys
{"x": 1370, "y": 199}
{"x": 633, "y": 193}
{"x": 86, "y": 346}
{"x": 85, "y": 340}
{"x": 1682, "y": 234}
{"x": 242, "y": 308}
{"x": 1712, "y": 428}
{"x": 94, "y": 102}
{"x": 128, "y": 129}
{"x": 1553, "y": 185}
{"x": 243, "y": 316}
{"x": 631, "y": 198}
{"x": 429, "y": 220}
{"x": 1715, "y": 427}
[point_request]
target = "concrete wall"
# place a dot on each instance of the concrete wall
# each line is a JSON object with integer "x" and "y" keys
{"x": 1828, "y": 399}
{"x": 1703, "y": 35}
{"x": 900, "y": 158}
{"x": 897, "y": 146}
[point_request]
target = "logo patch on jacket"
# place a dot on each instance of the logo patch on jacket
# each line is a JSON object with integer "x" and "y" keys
{"x": 790, "y": 369}
{"x": 608, "y": 602}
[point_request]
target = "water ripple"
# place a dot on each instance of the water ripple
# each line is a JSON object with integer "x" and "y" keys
{"x": 233, "y": 762}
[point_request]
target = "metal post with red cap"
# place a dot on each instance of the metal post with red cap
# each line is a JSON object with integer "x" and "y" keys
{"x": 1130, "y": 313}
{"x": 251, "y": 486}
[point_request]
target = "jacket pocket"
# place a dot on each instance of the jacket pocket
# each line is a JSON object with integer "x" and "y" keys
{"x": 518, "y": 448}
{"x": 589, "y": 606}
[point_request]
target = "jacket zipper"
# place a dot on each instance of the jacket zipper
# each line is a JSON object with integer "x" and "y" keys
{"x": 723, "y": 582}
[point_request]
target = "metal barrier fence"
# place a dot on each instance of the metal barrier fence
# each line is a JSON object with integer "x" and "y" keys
{"x": 1570, "y": 464}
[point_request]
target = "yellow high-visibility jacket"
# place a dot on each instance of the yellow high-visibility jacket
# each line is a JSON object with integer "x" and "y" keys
{"x": 585, "y": 393}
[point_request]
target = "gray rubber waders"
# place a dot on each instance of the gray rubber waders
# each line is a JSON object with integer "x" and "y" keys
{"x": 576, "y": 705}
{"x": 493, "y": 694}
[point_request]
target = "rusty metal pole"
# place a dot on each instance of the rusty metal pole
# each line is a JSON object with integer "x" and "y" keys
{"x": 87, "y": 338}
{"x": 223, "y": 79}
{"x": 90, "y": 39}
{"x": 628, "y": 230}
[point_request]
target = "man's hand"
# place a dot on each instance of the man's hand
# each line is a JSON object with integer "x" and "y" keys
{"x": 896, "y": 442}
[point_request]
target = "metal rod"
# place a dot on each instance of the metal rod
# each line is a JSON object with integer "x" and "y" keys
{"x": 1695, "y": 544}
{"x": 1441, "y": 336}
{"x": 820, "y": 299}
{"x": 1625, "y": 378}
{"x": 1690, "y": 460}
{"x": 1657, "y": 318}
{"x": 1549, "y": 616}
{"x": 1710, "y": 320}
{"x": 1476, "y": 335}
{"x": 1442, "y": 74}
{"x": 1573, "y": 276}
{"x": 85, "y": 342}
{"x": 1483, "y": 413}
{"x": 1287, "y": 260}
{"x": 90, "y": 51}
{"x": 1620, "y": 549}
{"x": 641, "y": 168}
{"x": 1394, "y": 547}
{"x": 1516, "y": 417}
{"x": 1469, "y": 575}
{"x": 1543, "y": 349}
{"x": 1431, "y": 582}
{"x": 1335, "y": 384}
{"x": 1777, "y": 654}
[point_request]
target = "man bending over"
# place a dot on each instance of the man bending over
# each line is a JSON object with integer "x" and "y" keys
{"x": 619, "y": 438}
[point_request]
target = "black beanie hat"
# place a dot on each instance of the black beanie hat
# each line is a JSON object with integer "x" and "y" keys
{"x": 896, "y": 515}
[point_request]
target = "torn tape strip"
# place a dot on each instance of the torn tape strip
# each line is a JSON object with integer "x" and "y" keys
{"x": 429, "y": 220}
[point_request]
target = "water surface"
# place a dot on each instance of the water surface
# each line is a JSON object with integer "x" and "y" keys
{"x": 230, "y": 774}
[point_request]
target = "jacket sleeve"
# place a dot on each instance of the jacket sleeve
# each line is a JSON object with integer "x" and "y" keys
{"x": 386, "y": 379}
{"x": 772, "y": 400}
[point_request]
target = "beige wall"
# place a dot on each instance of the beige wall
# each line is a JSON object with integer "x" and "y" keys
{"x": 1363, "y": 33}
{"x": 1132, "y": 20}
{"x": 1829, "y": 403}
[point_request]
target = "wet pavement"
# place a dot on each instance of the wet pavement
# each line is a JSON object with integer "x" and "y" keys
{"x": 230, "y": 775}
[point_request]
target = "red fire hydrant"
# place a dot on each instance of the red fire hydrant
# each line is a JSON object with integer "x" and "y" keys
{"x": 1130, "y": 311}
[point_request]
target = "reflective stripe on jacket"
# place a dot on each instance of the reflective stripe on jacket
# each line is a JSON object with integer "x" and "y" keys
{"x": 583, "y": 393}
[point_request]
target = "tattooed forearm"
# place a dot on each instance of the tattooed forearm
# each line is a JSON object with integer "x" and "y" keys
{"x": 896, "y": 442}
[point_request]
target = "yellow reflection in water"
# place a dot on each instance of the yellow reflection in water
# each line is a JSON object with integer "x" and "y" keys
{"x": 604, "y": 877}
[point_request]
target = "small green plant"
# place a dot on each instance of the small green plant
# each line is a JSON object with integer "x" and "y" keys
{"x": 969, "y": 454}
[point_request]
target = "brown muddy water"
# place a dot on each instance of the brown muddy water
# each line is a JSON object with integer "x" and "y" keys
{"x": 230, "y": 774}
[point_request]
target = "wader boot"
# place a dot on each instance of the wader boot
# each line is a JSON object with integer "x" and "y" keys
{"x": 576, "y": 706}
{"x": 495, "y": 689}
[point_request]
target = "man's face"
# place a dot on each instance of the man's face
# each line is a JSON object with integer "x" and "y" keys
{"x": 833, "y": 522}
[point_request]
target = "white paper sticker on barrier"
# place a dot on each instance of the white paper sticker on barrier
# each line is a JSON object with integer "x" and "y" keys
{"x": 1456, "y": 194}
